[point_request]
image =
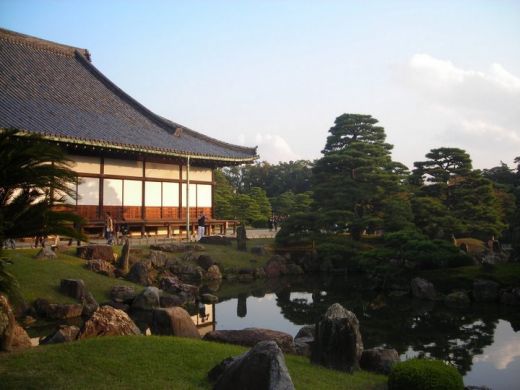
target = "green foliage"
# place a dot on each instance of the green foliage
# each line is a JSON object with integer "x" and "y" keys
{"x": 397, "y": 213}
{"x": 412, "y": 247}
{"x": 289, "y": 203}
{"x": 339, "y": 251}
{"x": 35, "y": 179}
{"x": 455, "y": 199}
{"x": 442, "y": 164}
{"x": 223, "y": 197}
{"x": 424, "y": 374}
{"x": 299, "y": 229}
{"x": 9, "y": 286}
{"x": 355, "y": 174}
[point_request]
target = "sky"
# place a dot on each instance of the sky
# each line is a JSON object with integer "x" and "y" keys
{"x": 276, "y": 74}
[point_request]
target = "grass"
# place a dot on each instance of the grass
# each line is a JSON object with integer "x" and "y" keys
{"x": 229, "y": 257}
{"x": 41, "y": 278}
{"x": 150, "y": 363}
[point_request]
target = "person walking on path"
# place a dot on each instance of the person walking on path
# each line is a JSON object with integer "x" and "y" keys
{"x": 201, "y": 225}
{"x": 109, "y": 228}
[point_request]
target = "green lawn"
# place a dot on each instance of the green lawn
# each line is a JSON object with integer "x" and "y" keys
{"x": 41, "y": 278}
{"x": 149, "y": 363}
{"x": 230, "y": 257}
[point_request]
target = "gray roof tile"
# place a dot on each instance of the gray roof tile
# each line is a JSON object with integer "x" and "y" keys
{"x": 55, "y": 90}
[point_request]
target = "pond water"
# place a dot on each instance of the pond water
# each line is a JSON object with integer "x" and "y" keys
{"x": 483, "y": 342}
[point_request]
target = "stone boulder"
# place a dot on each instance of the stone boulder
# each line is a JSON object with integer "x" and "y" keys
{"x": 123, "y": 263}
{"x": 96, "y": 252}
{"x": 259, "y": 250}
{"x": 148, "y": 299}
{"x": 457, "y": 299}
{"x": 46, "y": 253}
{"x": 379, "y": 360}
{"x": 338, "y": 343}
{"x": 142, "y": 273}
{"x": 12, "y": 336}
{"x": 63, "y": 334}
{"x": 213, "y": 273}
{"x": 90, "y": 305}
{"x": 173, "y": 285}
{"x": 205, "y": 261}
{"x": 173, "y": 321}
{"x": 510, "y": 297}
{"x": 261, "y": 368}
{"x": 485, "y": 291}
{"x": 169, "y": 300}
{"x": 215, "y": 240}
{"x": 57, "y": 311}
{"x": 251, "y": 336}
{"x": 304, "y": 340}
{"x": 422, "y": 289}
{"x": 123, "y": 294}
{"x": 102, "y": 267}
{"x": 74, "y": 288}
{"x": 275, "y": 267}
{"x": 108, "y": 321}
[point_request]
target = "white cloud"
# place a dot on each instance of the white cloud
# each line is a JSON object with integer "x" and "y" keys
{"x": 274, "y": 148}
{"x": 480, "y": 110}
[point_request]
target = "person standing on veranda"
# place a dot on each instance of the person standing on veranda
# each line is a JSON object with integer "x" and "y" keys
{"x": 109, "y": 228}
{"x": 201, "y": 225}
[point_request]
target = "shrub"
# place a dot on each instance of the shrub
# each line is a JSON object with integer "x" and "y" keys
{"x": 424, "y": 374}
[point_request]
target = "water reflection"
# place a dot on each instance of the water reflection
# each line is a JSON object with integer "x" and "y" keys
{"x": 479, "y": 336}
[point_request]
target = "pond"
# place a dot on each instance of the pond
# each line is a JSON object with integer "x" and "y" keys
{"x": 482, "y": 341}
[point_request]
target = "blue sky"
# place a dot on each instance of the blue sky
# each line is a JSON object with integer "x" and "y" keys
{"x": 277, "y": 73}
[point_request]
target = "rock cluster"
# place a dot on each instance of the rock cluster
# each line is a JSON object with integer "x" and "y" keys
{"x": 251, "y": 336}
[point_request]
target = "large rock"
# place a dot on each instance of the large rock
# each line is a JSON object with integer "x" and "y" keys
{"x": 123, "y": 294}
{"x": 242, "y": 238}
{"x": 205, "y": 261}
{"x": 261, "y": 368}
{"x": 304, "y": 340}
{"x": 96, "y": 252}
{"x": 74, "y": 288}
{"x": 90, "y": 304}
{"x": 338, "y": 343}
{"x": 275, "y": 267}
{"x": 173, "y": 285}
{"x": 423, "y": 289}
{"x": 215, "y": 240}
{"x": 213, "y": 273}
{"x": 63, "y": 334}
{"x": 148, "y": 299}
{"x": 379, "y": 360}
{"x": 457, "y": 299}
{"x": 57, "y": 311}
{"x": 108, "y": 321}
{"x": 46, "y": 253}
{"x": 142, "y": 273}
{"x": 259, "y": 250}
{"x": 485, "y": 291}
{"x": 102, "y": 267}
{"x": 251, "y": 336}
{"x": 510, "y": 297}
{"x": 174, "y": 321}
{"x": 12, "y": 336}
{"x": 123, "y": 263}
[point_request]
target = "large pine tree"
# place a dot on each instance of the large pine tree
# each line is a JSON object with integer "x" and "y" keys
{"x": 354, "y": 176}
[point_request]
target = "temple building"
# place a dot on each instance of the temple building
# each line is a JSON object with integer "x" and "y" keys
{"x": 131, "y": 162}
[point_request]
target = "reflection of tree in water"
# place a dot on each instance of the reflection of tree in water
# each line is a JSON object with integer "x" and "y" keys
{"x": 428, "y": 328}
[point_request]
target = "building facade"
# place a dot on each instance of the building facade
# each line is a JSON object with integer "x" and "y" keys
{"x": 152, "y": 173}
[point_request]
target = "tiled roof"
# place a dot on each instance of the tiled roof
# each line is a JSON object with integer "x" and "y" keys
{"x": 55, "y": 90}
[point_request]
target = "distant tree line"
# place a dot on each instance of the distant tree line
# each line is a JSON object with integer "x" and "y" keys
{"x": 356, "y": 188}
{"x": 255, "y": 193}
